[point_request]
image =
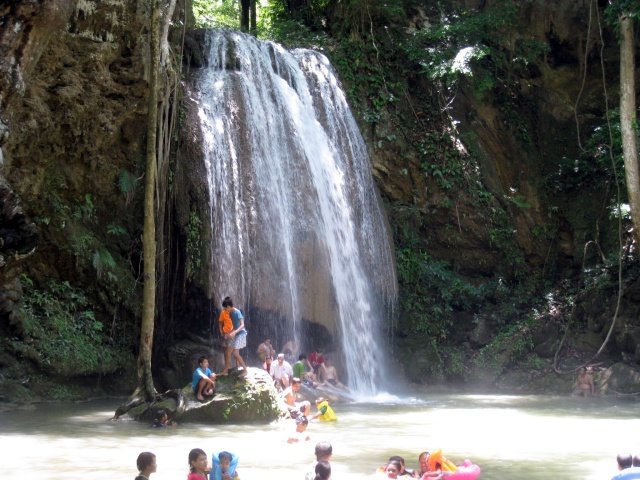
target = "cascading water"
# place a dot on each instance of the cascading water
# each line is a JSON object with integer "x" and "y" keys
{"x": 297, "y": 226}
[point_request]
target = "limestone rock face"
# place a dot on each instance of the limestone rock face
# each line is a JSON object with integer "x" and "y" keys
{"x": 72, "y": 119}
{"x": 619, "y": 378}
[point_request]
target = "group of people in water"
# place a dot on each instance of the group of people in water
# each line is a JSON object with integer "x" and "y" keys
{"x": 224, "y": 466}
{"x": 628, "y": 467}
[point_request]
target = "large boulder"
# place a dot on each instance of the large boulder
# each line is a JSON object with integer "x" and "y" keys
{"x": 249, "y": 398}
{"x": 619, "y": 378}
{"x": 241, "y": 397}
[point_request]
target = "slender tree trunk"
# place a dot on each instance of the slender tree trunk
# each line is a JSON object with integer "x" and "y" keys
{"x": 628, "y": 120}
{"x": 245, "y": 7}
{"x": 145, "y": 378}
{"x": 254, "y": 20}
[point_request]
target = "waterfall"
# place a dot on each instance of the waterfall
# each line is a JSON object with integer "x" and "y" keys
{"x": 297, "y": 226}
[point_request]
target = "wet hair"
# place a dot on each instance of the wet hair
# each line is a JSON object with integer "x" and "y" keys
{"x": 157, "y": 420}
{"x": 396, "y": 464}
{"x": 396, "y": 458}
{"x": 323, "y": 470}
{"x": 227, "y": 302}
{"x": 227, "y": 455}
{"x": 302, "y": 356}
{"x": 193, "y": 456}
{"x": 636, "y": 460}
{"x": 144, "y": 460}
{"x": 302, "y": 420}
{"x": 323, "y": 449}
{"x": 201, "y": 359}
{"x": 624, "y": 461}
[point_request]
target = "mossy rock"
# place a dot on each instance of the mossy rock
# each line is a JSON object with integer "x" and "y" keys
{"x": 241, "y": 397}
{"x": 250, "y": 398}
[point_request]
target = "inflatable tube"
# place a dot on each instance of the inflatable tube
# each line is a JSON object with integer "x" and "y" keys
{"x": 466, "y": 471}
{"x": 216, "y": 472}
{"x": 437, "y": 461}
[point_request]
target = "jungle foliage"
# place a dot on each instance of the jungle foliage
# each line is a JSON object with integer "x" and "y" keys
{"x": 66, "y": 336}
{"x": 442, "y": 47}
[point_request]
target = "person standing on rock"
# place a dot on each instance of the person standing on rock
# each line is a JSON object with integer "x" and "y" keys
{"x": 231, "y": 326}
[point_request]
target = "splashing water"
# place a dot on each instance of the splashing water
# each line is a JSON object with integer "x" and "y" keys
{"x": 298, "y": 228}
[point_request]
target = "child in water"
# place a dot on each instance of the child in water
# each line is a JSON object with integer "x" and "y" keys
{"x": 198, "y": 467}
{"x": 162, "y": 420}
{"x": 146, "y": 465}
{"x": 301, "y": 427}
{"x": 225, "y": 464}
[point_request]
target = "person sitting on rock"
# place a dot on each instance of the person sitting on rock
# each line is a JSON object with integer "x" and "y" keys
{"x": 328, "y": 374}
{"x": 203, "y": 382}
{"x": 290, "y": 350}
{"x": 268, "y": 360}
{"x": 316, "y": 359}
{"x": 281, "y": 372}
{"x": 265, "y": 349}
{"x": 304, "y": 371}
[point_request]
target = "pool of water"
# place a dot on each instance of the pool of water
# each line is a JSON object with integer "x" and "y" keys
{"x": 510, "y": 437}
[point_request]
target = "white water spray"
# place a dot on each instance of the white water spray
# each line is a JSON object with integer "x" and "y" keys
{"x": 297, "y": 224}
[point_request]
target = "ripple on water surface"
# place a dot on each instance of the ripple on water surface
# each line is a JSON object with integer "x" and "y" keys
{"x": 511, "y": 437}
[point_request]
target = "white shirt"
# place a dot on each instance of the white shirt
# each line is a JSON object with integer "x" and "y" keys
{"x": 278, "y": 371}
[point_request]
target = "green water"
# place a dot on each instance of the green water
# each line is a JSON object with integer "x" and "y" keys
{"x": 510, "y": 437}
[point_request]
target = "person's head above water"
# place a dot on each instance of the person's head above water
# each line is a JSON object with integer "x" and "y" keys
{"x": 423, "y": 461}
{"x": 624, "y": 461}
{"x": 197, "y": 460}
{"x": 301, "y": 423}
{"x": 146, "y": 462}
{"x": 394, "y": 467}
{"x": 225, "y": 460}
{"x": 323, "y": 450}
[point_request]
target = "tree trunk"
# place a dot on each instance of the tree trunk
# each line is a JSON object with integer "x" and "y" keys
{"x": 628, "y": 120}
{"x": 145, "y": 378}
{"x": 254, "y": 21}
{"x": 244, "y": 15}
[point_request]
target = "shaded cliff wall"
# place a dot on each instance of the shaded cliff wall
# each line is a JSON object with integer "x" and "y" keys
{"x": 516, "y": 137}
{"x": 73, "y": 94}
{"x": 527, "y": 207}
